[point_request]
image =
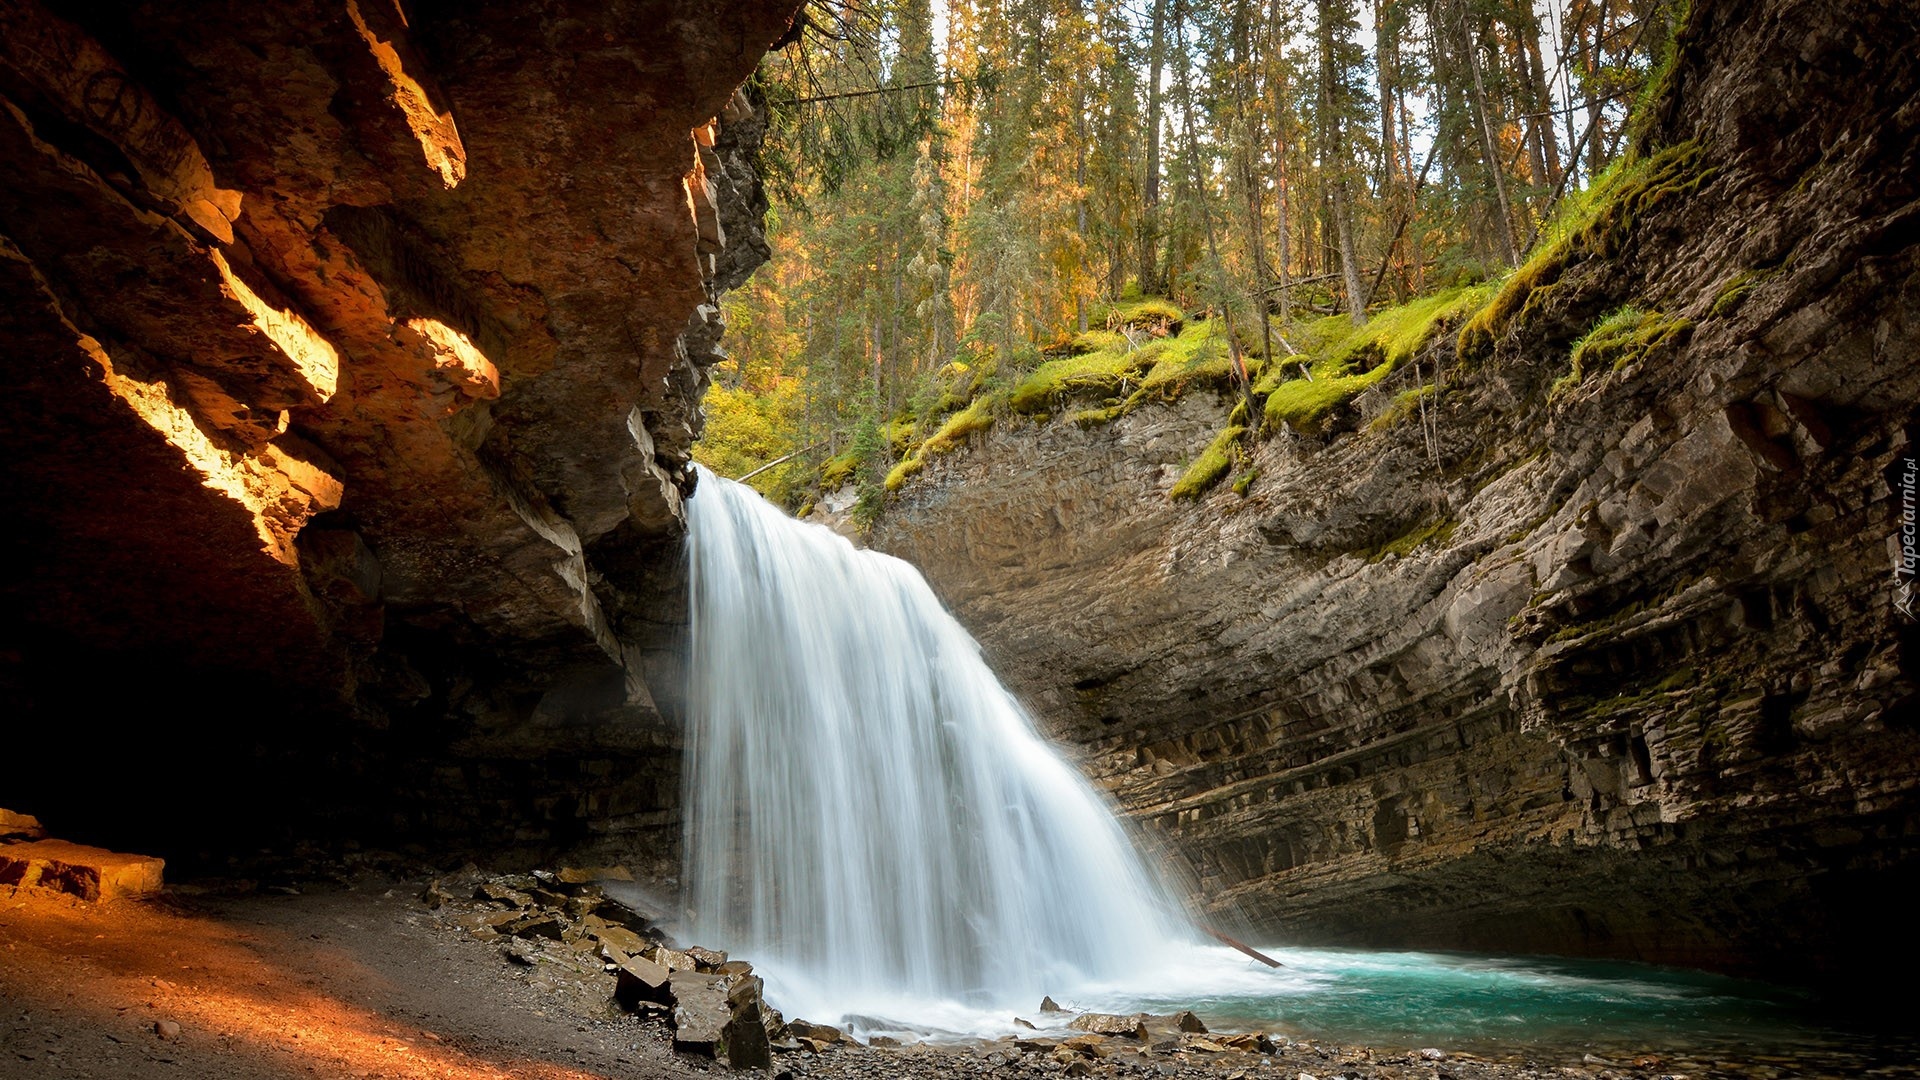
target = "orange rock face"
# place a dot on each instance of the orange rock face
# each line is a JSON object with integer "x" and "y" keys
{"x": 89, "y": 873}
{"x": 354, "y": 349}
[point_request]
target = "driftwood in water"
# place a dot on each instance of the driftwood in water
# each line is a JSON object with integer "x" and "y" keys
{"x": 1243, "y": 947}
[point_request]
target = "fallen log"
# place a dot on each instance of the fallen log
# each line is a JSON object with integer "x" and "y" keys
{"x": 1243, "y": 947}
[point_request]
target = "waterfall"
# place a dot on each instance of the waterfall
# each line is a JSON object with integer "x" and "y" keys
{"x": 871, "y": 816}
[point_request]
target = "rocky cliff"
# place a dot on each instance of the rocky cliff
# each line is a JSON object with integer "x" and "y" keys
{"x": 1612, "y": 662}
{"x": 353, "y": 352}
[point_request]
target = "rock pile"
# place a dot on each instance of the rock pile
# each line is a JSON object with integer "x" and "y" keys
{"x": 713, "y": 1003}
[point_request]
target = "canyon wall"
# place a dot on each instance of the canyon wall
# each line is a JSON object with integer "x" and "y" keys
{"x": 353, "y": 352}
{"x": 1619, "y": 666}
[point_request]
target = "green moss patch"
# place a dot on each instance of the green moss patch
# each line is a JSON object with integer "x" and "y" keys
{"x": 1149, "y": 315}
{"x": 1591, "y": 223}
{"x": 1102, "y": 372}
{"x": 1212, "y": 465}
{"x": 1405, "y": 404}
{"x": 1388, "y": 340}
{"x": 952, "y": 436}
{"x": 1435, "y": 531}
{"x": 1618, "y": 341}
{"x": 1734, "y": 292}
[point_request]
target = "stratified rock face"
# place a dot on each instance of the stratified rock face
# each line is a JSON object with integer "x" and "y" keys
{"x": 338, "y": 338}
{"x": 1621, "y": 669}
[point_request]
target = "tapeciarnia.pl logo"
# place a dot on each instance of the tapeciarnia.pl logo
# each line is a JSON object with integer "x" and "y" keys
{"x": 1907, "y": 559}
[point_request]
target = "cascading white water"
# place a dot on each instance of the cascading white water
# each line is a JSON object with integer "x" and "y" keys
{"x": 871, "y": 815}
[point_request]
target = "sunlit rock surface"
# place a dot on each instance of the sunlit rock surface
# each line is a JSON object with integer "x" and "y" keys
{"x": 340, "y": 339}
{"x": 1627, "y": 674}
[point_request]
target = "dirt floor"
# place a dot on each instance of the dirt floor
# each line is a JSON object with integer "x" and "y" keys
{"x": 350, "y": 982}
{"x": 362, "y": 979}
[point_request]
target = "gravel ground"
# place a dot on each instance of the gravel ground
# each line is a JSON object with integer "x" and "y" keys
{"x": 359, "y": 978}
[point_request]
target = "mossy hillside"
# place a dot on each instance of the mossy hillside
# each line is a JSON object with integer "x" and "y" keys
{"x": 952, "y": 435}
{"x": 1102, "y": 372}
{"x": 1593, "y": 223}
{"x": 1162, "y": 370}
{"x": 1211, "y": 466}
{"x": 1386, "y": 341}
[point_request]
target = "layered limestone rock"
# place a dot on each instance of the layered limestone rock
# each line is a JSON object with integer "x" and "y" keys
{"x": 341, "y": 337}
{"x": 1619, "y": 667}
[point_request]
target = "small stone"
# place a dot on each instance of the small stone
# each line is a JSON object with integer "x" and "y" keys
{"x": 166, "y": 1029}
{"x": 885, "y": 1042}
{"x": 1186, "y": 1021}
{"x": 1306, "y": 1076}
{"x": 1432, "y": 1054}
{"x": 1028, "y": 1024}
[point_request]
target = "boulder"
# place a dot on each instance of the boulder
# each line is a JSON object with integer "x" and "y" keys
{"x": 820, "y": 1033}
{"x": 1258, "y": 1042}
{"x": 640, "y": 979}
{"x": 1131, "y": 1027}
{"x": 1186, "y": 1021}
{"x": 89, "y": 873}
{"x": 707, "y": 959}
{"x": 536, "y": 925}
{"x": 582, "y": 875}
{"x": 1048, "y": 1005}
{"x": 720, "y": 1016}
{"x": 671, "y": 959}
{"x": 15, "y": 826}
{"x": 501, "y": 893}
{"x": 619, "y": 939}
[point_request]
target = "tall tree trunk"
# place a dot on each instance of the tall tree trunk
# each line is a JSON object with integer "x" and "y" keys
{"x": 1488, "y": 146}
{"x": 1349, "y": 262}
{"x": 1256, "y": 220}
{"x": 1150, "y": 185}
{"x": 1080, "y": 208}
{"x": 1542, "y": 101}
{"x": 1337, "y": 166}
{"x": 1596, "y": 156}
{"x": 1385, "y": 58}
{"x": 1276, "y": 84}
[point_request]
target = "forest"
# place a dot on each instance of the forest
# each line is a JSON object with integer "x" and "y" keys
{"x": 993, "y": 207}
